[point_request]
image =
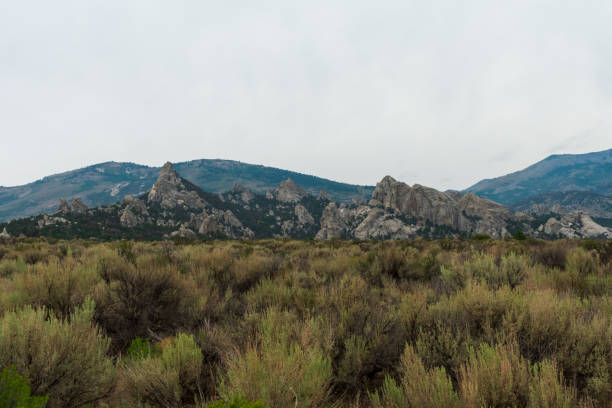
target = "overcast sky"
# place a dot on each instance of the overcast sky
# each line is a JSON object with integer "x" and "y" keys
{"x": 441, "y": 93}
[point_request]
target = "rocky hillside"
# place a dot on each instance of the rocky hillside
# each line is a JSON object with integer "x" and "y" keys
{"x": 175, "y": 207}
{"x": 108, "y": 183}
{"x": 591, "y": 173}
{"x": 567, "y": 201}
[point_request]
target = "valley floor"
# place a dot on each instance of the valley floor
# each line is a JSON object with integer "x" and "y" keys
{"x": 285, "y": 323}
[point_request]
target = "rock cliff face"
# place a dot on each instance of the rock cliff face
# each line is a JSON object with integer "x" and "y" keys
{"x": 76, "y": 206}
{"x": 398, "y": 210}
{"x": 574, "y": 225}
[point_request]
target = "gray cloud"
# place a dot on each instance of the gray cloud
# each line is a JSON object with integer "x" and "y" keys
{"x": 349, "y": 90}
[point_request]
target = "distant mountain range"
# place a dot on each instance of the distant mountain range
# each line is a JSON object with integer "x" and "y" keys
{"x": 559, "y": 184}
{"x": 174, "y": 207}
{"x": 109, "y": 182}
{"x": 568, "y": 182}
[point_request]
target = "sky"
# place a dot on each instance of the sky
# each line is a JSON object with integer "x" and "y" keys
{"x": 440, "y": 93}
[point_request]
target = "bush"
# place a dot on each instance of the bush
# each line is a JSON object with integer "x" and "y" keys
{"x": 59, "y": 286}
{"x": 279, "y": 370}
{"x": 65, "y": 359}
{"x": 236, "y": 403}
{"x": 141, "y": 348}
{"x": 417, "y": 387}
{"x": 547, "y": 390}
{"x": 494, "y": 377}
{"x": 136, "y": 301}
{"x": 170, "y": 379}
{"x": 15, "y": 391}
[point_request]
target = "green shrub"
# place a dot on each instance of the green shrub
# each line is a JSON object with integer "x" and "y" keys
{"x": 168, "y": 380}
{"x": 417, "y": 387}
{"x": 65, "y": 359}
{"x": 236, "y": 403}
{"x": 546, "y": 389}
{"x": 141, "y": 348}
{"x": 279, "y": 370}
{"x": 15, "y": 391}
{"x": 494, "y": 377}
{"x": 135, "y": 301}
{"x": 59, "y": 286}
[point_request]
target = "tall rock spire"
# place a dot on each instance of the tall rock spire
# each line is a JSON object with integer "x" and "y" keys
{"x": 170, "y": 191}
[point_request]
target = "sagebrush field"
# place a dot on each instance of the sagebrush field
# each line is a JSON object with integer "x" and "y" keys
{"x": 275, "y": 323}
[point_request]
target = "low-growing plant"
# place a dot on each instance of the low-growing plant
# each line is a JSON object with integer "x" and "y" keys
{"x": 417, "y": 387}
{"x": 15, "y": 391}
{"x": 64, "y": 359}
{"x": 168, "y": 380}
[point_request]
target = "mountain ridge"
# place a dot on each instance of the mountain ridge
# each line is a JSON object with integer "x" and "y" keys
{"x": 591, "y": 172}
{"x": 108, "y": 182}
{"x": 174, "y": 207}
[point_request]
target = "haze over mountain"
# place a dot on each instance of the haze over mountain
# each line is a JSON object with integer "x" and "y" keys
{"x": 109, "y": 182}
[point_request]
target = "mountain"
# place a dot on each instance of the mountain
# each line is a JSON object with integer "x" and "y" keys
{"x": 566, "y": 173}
{"x": 108, "y": 183}
{"x": 176, "y": 207}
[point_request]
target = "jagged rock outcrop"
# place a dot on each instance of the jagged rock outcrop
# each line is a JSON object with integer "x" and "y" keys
{"x": 47, "y": 220}
{"x": 244, "y": 193}
{"x": 76, "y": 206}
{"x": 288, "y": 192}
{"x": 134, "y": 212}
{"x": 468, "y": 213}
{"x": 218, "y": 222}
{"x": 4, "y": 234}
{"x": 575, "y": 225}
{"x": 334, "y": 222}
{"x": 183, "y": 232}
{"x": 303, "y": 216}
{"x": 170, "y": 191}
{"x": 379, "y": 224}
{"x": 481, "y": 216}
{"x": 64, "y": 207}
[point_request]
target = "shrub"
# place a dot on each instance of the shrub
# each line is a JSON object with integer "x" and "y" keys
{"x": 280, "y": 371}
{"x": 417, "y": 386}
{"x": 65, "y": 359}
{"x": 513, "y": 269}
{"x": 59, "y": 286}
{"x": 170, "y": 379}
{"x": 137, "y": 302}
{"x": 547, "y": 390}
{"x": 141, "y": 348}
{"x": 11, "y": 267}
{"x": 236, "y": 403}
{"x": 494, "y": 377}
{"x": 15, "y": 391}
{"x": 551, "y": 255}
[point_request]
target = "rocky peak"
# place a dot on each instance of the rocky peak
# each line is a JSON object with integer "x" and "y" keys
{"x": 63, "y": 207}
{"x": 4, "y": 234}
{"x": 289, "y": 192}
{"x": 76, "y": 206}
{"x": 246, "y": 194}
{"x": 170, "y": 191}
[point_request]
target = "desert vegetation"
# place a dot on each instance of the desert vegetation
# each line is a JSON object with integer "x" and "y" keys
{"x": 283, "y": 323}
